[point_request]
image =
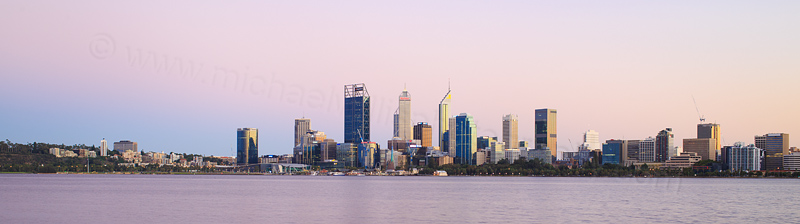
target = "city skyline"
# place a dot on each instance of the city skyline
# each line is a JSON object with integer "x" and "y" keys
{"x": 95, "y": 75}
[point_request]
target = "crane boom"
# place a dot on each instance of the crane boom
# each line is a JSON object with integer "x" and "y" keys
{"x": 702, "y": 119}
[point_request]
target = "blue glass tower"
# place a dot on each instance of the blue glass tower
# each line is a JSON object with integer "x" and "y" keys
{"x": 466, "y": 136}
{"x": 356, "y": 113}
{"x": 612, "y": 152}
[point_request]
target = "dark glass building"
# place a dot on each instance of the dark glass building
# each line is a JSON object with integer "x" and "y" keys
{"x": 664, "y": 145}
{"x": 466, "y": 139}
{"x": 247, "y": 146}
{"x": 546, "y": 133}
{"x": 356, "y": 113}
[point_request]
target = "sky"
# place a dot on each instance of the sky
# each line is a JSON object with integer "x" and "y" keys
{"x": 182, "y": 76}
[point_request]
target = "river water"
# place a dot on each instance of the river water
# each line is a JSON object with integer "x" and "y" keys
{"x": 54, "y": 198}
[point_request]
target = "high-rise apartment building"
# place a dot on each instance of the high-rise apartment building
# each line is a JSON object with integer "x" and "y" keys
{"x": 301, "y": 127}
{"x": 665, "y": 143}
{"x": 444, "y": 121}
{"x": 775, "y": 145}
{"x": 465, "y": 135}
{"x": 103, "y": 147}
{"x": 423, "y": 133}
{"x": 704, "y": 147}
{"x": 125, "y": 145}
{"x": 546, "y": 132}
{"x": 356, "y": 113}
{"x": 247, "y": 146}
{"x": 741, "y": 157}
{"x": 511, "y": 130}
{"x": 404, "y": 130}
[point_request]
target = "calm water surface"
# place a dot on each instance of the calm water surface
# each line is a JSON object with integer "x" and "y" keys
{"x": 28, "y": 198}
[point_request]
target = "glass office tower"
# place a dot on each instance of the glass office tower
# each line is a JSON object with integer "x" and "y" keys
{"x": 356, "y": 113}
{"x": 247, "y": 146}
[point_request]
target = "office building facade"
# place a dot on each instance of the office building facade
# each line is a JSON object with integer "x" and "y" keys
{"x": 546, "y": 130}
{"x": 465, "y": 136}
{"x": 704, "y": 147}
{"x": 444, "y": 121}
{"x": 404, "y": 130}
{"x": 791, "y": 161}
{"x": 246, "y": 146}
{"x": 712, "y": 131}
{"x": 356, "y": 113}
{"x": 125, "y": 145}
{"x": 423, "y": 133}
{"x": 665, "y": 143}
{"x": 647, "y": 150}
{"x": 775, "y": 145}
{"x": 511, "y": 130}
{"x": 301, "y": 127}
{"x": 615, "y": 152}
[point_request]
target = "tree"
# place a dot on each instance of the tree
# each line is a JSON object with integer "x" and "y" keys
{"x": 644, "y": 167}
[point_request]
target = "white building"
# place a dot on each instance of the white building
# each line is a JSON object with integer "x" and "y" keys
{"x": 591, "y": 141}
{"x": 103, "y": 147}
{"x": 647, "y": 150}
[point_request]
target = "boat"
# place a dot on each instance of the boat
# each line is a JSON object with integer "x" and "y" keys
{"x": 440, "y": 173}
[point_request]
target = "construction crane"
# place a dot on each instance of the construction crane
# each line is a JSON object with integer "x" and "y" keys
{"x": 702, "y": 119}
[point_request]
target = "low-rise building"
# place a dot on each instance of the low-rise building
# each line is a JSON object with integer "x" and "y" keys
{"x": 512, "y": 155}
{"x": 684, "y": 160}
{"x": 542, "y": 154}
{"x": 791, "y": 161}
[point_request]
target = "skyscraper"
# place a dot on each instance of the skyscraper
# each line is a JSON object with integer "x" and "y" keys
{"x": 423, "y": 132}
{"x": 301, "y": 127}
{"x": 710, "y": 130}
{"x": 404, "y": 117}
{"x": 546, "y": 131}
{"x": 356, "y": 113}
{"x": 664, "y": 145}
{"x": 247, "y": 146}
{"x": 444, "y": 120}
{"x": 465, "y": 135}
{"x": 775, "y": 146}
{"x": 511, "y": 130}
{"x": 103, "y": 147}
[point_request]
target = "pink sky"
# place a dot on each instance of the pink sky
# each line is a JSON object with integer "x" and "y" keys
{"x": 77, "y": 72}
